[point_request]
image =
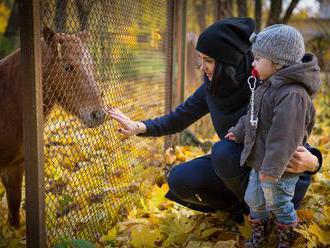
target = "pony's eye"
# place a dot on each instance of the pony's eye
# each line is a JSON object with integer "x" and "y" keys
{"x": 68, "y": 67}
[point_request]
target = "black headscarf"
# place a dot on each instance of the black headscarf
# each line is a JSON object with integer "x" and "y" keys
{"x": 227, "y": 41}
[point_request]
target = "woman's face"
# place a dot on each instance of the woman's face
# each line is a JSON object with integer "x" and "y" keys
{"x": 207, "y": 64}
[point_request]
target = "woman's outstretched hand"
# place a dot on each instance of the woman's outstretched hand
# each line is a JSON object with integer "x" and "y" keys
{"x": 129, "y": 127}
{"x": 230, "y": 136}
{"x": 302, "y": 160}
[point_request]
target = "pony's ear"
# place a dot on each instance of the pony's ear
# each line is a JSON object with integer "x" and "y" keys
{"x": 83, "y": 35}
{"x": 48, "y": 34}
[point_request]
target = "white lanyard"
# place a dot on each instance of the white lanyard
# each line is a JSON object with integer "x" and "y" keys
{"x": 252, "y": 81}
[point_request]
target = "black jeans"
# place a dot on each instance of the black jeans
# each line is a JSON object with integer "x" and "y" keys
{"x": 217, "y": 182}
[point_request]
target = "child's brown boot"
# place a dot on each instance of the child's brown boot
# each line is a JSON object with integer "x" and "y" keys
{"x": 260, "y": 229}
{"x": 286, "y": 235}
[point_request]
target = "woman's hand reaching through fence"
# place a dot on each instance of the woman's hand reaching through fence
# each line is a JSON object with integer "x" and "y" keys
{"x": 129, "y": 127}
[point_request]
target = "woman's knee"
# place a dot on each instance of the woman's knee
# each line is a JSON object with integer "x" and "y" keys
{"x": 177, "y": 181}
{"x": 225, "y": 158}
{"x": 173, "y": 179}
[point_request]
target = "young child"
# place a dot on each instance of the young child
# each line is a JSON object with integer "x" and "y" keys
{"x": 280, "y": 118}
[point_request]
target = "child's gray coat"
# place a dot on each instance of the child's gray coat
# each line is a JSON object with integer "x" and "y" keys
{"x": 286, "y": 116}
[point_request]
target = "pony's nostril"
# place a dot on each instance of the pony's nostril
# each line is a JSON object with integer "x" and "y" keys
{"x": 94, "y": 115}
{"x": 97, "y": 115}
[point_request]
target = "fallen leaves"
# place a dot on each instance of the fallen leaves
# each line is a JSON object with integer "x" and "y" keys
{"x": 182, "y": 154}
{"x": 144, "y": 237}
{"x": 88, "y": 182}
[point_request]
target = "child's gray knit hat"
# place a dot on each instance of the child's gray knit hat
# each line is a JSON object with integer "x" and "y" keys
{"x": 279, "y": 43}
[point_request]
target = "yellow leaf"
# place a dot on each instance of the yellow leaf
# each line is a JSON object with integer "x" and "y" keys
{"x": 2, "y": 191}
{"x": 209, "y": 232}
{"x": 245, "y": 229}
{"x": 170, "y": 157}
{"x": 110, "y": 236}
{"x": 322, "y": 236}
{"x": 157, "y": 197}
{"x": 326, "y": 211}
{"x": 180, "y": 154}
{"x": 177, "y": 229}
{"x": 225, "y": 244}
{"x": 199, "y": 244}
{"x": 144, "y": 237}
{"x": 153, "y": 219}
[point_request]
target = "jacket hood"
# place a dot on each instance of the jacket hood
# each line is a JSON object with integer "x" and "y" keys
{"x": 306, "y": 73}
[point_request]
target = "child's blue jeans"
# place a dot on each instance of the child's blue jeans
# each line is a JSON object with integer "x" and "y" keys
{"x": 265, "y": 197}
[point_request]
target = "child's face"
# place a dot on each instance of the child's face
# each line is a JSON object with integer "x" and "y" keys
{"x": 265, "y": 67}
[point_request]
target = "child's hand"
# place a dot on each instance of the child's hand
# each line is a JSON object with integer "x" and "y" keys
{"x": 265, "y": 178}
{"x": 230, "y": 136}
{"x": 129, "y": 127}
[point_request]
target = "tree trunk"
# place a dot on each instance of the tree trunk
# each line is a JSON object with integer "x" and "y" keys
{"x": 192, "y": 60}
{"x": 275, "y": 12}
{"x": 201, "y": 14}
{"x": 12, "y": 28}
{"x": 258, "y": 14}
{"x": 224, "y": 9}
{"x": 242, "y": 8}
{"x": 84, "y": 8}
{"x": 289, "y": 11}
{"x": 61, "y": 15}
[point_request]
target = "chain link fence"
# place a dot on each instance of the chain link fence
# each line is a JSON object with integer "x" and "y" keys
{"x": 98, "y": 54}
{"x": 200, "y": 14}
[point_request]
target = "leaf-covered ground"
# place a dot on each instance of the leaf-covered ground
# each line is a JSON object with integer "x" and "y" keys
{"x": 157, "y": 222}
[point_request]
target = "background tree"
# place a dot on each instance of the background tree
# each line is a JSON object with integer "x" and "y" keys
{"x": 242, "y": 8}
{"x": 84, "y": 8}
{"x": 258, "y": 14}
{"x": 275, "y": 12}
{"x": 224, "y": 9}
{"x": 12, "y": 28}
{"x": 9, "y": 34}
{"x": 61, "y": 15}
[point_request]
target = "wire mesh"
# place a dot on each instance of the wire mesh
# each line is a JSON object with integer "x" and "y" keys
{"x": 200, "y": 14}
{"x": 103, "y": 53}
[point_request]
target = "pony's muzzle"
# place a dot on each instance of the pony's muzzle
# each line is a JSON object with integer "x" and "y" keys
{"x": 98, "y": 115}
{"x": 93, "y": 117}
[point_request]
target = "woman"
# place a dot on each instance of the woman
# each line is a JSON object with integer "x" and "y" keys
{"x": 216, "y": 181}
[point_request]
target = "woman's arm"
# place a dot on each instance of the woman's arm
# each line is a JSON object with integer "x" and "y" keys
{"x": 184, "y": 115}
{"x": 194, "y": 108}
{"x": 305, "y": 159}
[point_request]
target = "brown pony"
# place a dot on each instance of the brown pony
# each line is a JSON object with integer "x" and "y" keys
{"x": 67, "y": 72}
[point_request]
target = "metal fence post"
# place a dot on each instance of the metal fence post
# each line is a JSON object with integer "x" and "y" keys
{"x": 169, "y": 76}
{"x": 175, "y": 68}
{"x": 32, "y": 123}
{"x": 180, "y": 9}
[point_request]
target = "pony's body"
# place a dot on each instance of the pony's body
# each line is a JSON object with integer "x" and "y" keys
{"x": 67, "y": 72}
